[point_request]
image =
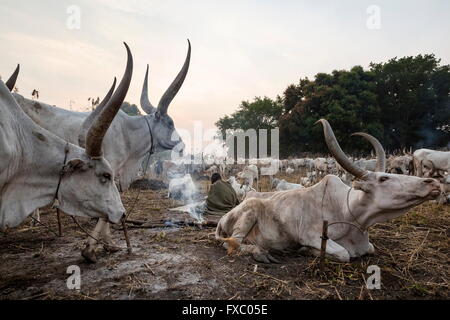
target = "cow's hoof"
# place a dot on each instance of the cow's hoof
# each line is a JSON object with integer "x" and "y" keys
{"x": 265, "y": 258}
{"x": 89, "y": 254}
{"x": 370, "y": 249}
{"x": 273, "y": 259}
{"x": 111, "y": 248}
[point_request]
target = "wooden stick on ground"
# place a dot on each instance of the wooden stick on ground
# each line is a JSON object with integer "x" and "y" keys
{"x": 125, "y": 232}
{"x": 323, "y": 246}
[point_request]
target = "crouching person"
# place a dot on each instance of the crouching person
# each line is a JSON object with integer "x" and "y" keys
{"x": 221, "y": 197}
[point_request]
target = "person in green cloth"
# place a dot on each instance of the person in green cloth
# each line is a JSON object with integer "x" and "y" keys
{"x": 221, "y": 197}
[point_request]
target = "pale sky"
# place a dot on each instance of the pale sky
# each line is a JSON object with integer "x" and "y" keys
{"x": 240, "y": 49}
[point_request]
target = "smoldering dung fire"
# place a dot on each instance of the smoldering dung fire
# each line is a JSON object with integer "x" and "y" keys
{"x": 183, "y": 188}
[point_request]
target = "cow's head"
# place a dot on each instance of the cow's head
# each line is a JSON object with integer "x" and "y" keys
{"x": 163, "y": 129}
{"x": 87, "y": 185}
{"x": 88, "y": 189}
{"x": 386, "y": 195}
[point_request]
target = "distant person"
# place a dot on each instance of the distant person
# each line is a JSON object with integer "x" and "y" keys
{"x": 221, "y": 197}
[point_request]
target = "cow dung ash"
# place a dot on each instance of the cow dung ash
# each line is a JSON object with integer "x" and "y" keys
{"x": 148, "y": 184}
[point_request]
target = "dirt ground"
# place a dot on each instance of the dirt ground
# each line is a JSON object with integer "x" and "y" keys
{"x": 186, "y": 262}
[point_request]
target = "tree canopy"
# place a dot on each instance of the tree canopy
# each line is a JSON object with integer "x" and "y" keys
{"x": 261, "y": 113}
{"x": 404, "y": 102}
{"x": 130, "y": 109}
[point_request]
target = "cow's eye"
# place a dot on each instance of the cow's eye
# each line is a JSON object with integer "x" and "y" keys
{"x": 107, "y": 176}
{"x": 383, "y": 178}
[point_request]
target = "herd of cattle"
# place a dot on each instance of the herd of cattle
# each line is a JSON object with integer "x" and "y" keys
{"x": 244, "y": 177}
{"x": 80, "y": 162}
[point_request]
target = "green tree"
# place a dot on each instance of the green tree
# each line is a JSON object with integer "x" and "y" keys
{"x": 261, "y": 113}
{"x": 130, "y": 109}
{"x": 345, "y": 98}
{"x": 413, "y": 93}
{"x": 403, "y": 102}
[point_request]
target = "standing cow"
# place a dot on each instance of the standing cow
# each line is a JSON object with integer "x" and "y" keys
{"x": 37, "y": 167}
{"x": 128, "y": 141}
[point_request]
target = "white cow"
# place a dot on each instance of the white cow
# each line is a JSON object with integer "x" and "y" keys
{"x": 289, "y": 170}
{"x": 240, "y": 189}
{"x": 249, "y": 174}
{"x": 275, "y": 221}
{"x": 399, "y": 164}
{"x": 323, "y": 165}
{"x": 309, "y": 180}
{"x": 280, "y": 185}
{"x": 128, "y": 141}
{"x": 430, "y": 160}
{"x": 368, "y": 165}
{"x": 33, "y": 162}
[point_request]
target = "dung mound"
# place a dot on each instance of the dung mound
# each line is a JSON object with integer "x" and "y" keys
{"x": 147, "y": 184}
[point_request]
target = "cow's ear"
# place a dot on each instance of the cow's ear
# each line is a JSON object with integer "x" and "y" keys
{"x": 75, "y": 164}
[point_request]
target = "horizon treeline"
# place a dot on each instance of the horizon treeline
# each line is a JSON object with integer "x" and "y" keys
{"x": 404, "y": 102}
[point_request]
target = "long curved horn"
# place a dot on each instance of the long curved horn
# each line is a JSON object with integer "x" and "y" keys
{"x": 337, "y": 152}
{"x": 97, "y": 131}
{"x": 93, "y": 115}
{"x": 11, "y": 83}
{"x": 379, "y": 150}
{"x": 170, "y": 93}
{"x": 146, "y": 105}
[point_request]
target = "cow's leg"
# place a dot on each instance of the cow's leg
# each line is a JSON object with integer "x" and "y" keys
{"x": 110, "y": 245}
{"x": 36, "y": 215}
{"x": 89, "y": 251}
{"x": 259, "y": 254}
{"x": 334, "y": 250}
{"x": 370, "y": 249}
{"x": 242, "y": 227}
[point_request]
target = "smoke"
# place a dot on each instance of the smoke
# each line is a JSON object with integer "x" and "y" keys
{"x": 429, "y": 138}
{"x": 182, "y": 187}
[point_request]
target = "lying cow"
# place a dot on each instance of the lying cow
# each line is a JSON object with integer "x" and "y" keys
{"x": 280, "y": 185}
{"x": 430, "y": 160}
{"x": 240, "y": 189}
{"x": 290, "y": 170}
{"x": 287, "y": 219}
{"x": 400, "y": 164}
